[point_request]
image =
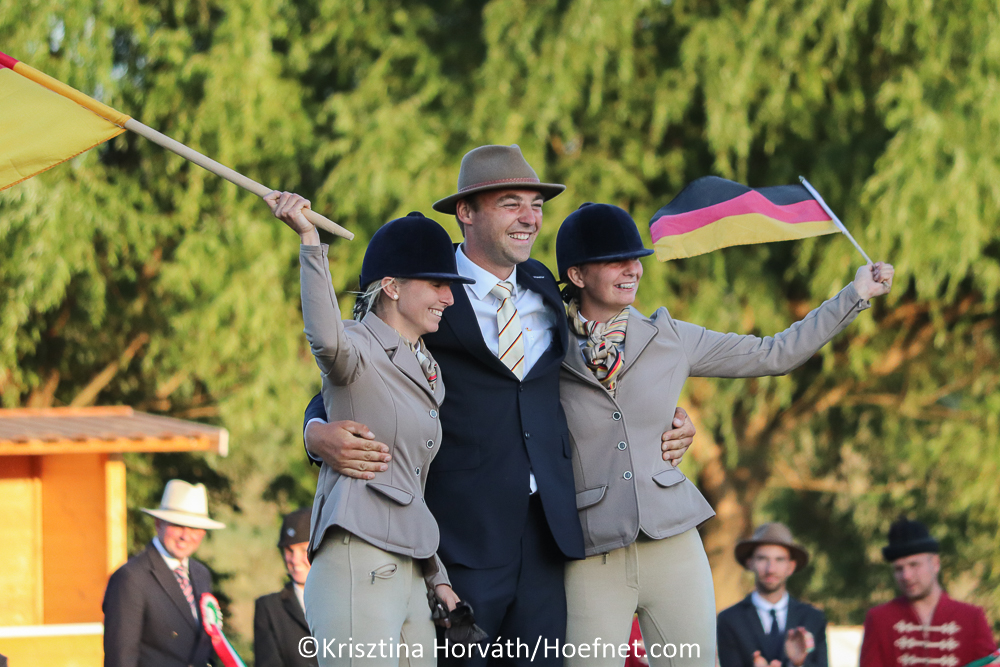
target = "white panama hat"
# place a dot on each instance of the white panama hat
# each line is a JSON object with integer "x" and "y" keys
{"x": 184, "y": 504}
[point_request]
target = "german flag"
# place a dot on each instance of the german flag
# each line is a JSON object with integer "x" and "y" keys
{"x": 712, "y": 213}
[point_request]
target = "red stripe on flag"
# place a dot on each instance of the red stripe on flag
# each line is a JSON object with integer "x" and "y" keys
{"x": 7, "y": 61}
{"x": 750, "y": 202}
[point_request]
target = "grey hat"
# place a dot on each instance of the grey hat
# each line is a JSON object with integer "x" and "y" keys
{"x": 772, "y": 533}
{"x": 295, "y": 527}
{"x": 495, "y": 168}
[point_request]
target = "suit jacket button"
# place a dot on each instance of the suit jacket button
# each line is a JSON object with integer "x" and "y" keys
{"x": 527, "y": 435}
{"x": 622, "y": 445}
{"x": 616, "y": 416}
{"x": 627, "y": 475}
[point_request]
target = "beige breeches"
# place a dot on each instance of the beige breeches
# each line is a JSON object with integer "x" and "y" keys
{"x": 367, "y": 607}
{"x": 668, "y": 582}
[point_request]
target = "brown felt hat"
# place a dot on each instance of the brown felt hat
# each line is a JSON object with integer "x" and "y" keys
{"x": 495, "y": 168}
{"x": 772, "y": 533}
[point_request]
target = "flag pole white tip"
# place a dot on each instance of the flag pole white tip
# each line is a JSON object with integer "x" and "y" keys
{"x": 833, "y": 216}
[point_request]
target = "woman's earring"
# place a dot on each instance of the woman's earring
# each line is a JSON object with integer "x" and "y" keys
{"x": 395, "y": 297}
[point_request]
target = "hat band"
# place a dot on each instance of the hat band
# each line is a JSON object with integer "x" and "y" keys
{"x": 161, "y": 508}
{"x": 497, "y": 182}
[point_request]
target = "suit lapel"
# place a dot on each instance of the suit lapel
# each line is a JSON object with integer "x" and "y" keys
{"x": 752, "y": 620}
{"x": 461, "y": 319}
{"x": 201, "y": 581}
{"x": 292, "y": 606}
{"x": 550, "y": 294}
{"x": 575, "y": 362}
{"x": 167, "y": 580}
{"x": 399, "y": 353}
{"x": 638, "y": 333}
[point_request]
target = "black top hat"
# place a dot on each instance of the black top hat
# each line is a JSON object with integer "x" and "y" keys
{"x": 907, "y": 538}
{"x": 597, "y": 233}
{"x": 295, "y": 528}
{"x": 410, "y": 247}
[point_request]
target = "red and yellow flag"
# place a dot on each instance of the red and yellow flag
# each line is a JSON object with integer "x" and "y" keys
{"x": 46, "y": 122}
{"x": 712, "y": 213}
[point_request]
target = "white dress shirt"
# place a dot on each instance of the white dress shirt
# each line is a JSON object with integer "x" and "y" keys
{"x": 300, "y": 594}
{"x": 538, "y": 321}
{"x": 764, "y": 608}
{"x": 171, "y": 562}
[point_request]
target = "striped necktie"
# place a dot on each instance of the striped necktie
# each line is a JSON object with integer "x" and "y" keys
{"x": 185, "y": 583}
{"x": 511, "y": 349}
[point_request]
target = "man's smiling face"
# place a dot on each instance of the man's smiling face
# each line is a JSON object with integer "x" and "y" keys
{"x": 500, "y": 228}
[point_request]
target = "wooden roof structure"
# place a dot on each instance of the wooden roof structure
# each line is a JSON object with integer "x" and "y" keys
{"x": 117, "y": 429}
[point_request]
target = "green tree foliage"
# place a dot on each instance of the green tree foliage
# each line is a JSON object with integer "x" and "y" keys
{"x": 129, "y": 276}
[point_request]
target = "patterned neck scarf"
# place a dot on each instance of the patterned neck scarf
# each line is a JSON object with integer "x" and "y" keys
{"x": 605, "y": 352}
{"x": 428, "y": 365}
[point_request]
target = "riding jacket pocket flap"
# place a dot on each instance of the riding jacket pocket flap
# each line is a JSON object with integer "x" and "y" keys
{"x": 590, "y": 497}
{"x": 669, "y": 477}
{"x": 392, "y": 493}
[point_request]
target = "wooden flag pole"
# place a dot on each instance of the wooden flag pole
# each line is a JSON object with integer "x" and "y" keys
{"x": 231, "y": 175}
{"x": 834, "y": 217}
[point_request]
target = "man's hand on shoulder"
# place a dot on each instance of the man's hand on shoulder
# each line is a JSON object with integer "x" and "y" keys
{"x": 348, "y": 447}
{"x": 677, "y": 440}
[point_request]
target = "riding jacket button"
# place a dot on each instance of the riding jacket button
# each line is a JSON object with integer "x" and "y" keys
{"x": 430, "y": 444}
{"x": 434, "y": 414}
{"x": 622, "y": 445}
{"x": 417, "y": 470}
{"x": 616, "y": 416}
{"x": 627, "y": 475}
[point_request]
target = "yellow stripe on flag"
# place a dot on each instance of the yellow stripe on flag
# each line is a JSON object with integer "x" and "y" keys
{"x": 733, "y": 230}
{"x": 42, "y": 128}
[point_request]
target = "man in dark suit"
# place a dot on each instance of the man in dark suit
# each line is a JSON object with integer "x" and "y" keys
{"x": 279, "y": 621}
{"x": 151, "y": 612}
{"x": 769, "y": 628}
{"x": 501, "y": 487}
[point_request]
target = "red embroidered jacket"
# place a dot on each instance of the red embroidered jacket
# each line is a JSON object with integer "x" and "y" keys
{"x": 895, "y": 637}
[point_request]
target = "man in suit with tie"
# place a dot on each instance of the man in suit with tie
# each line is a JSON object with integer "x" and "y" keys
{"x": 279, "y": 620}
{"x": 501, "y": 487}
{"x": 151, "y": 612}
{"x": 770, "y": 628}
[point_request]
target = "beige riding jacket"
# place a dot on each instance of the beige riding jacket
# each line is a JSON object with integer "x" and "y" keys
{"x": 623, "y": 485}
{"x": 371, "y": 376}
